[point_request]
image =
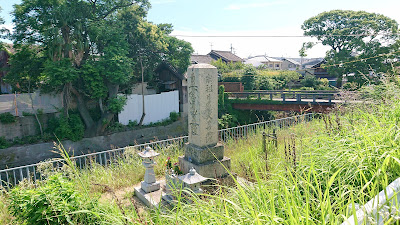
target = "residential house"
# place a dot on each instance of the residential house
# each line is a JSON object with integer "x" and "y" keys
{"x": 270, "y": 62}
{"x": 225, "y": 56}
{"x": 170, "y": 79}
{"x": 290, "y": 64}
{"x": 314, "y": 67}
{"x": 197, "y": 59}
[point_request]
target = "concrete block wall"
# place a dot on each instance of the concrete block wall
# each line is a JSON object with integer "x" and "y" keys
{"x": 30, "y": 154}
{"x": 24, "y": 126}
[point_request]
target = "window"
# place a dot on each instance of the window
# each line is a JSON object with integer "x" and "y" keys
{"x": 277, "y": 65}
{"x": 271, "y": 65}
{"x": 290, "y": 65}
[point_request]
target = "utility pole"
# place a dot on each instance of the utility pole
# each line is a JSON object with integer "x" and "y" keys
{"x": 211, "y": 45}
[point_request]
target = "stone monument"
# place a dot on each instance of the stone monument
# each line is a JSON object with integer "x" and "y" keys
{"x": 203, "y": 152}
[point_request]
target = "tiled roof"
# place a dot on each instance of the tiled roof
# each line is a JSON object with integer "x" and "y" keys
{"x": 292, "y": 61}
{"x": 261, "y": 59}
{"x": 226, "y": 55}
{"x": 314, "y": 63}
{"x": 171, "y": 68}
{"x": 196, "y": 59}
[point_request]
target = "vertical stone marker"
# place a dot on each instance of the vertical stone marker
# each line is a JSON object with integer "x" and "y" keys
{"x": 203, "y": 152}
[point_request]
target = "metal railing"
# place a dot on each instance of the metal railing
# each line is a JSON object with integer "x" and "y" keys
{"x": 11, "y": 177}
{"x": 289, "y": 96}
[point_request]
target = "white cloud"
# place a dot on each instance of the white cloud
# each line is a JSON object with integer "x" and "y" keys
{"x": 251, "y": 46}
{"x": 240, "y": 6}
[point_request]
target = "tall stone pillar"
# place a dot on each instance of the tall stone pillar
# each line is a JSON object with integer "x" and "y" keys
{"x": 203, "y": 152}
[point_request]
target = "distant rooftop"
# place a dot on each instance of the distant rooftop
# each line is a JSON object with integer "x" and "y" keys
{"x": 196, "y": 59}
{"x": 261, "y": 59}
{"x": 225, "y": 56}
{"x": 314, "y": 63}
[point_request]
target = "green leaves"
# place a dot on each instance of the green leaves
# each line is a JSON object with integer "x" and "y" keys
{"x": 58, "y": 73}
{"x": 116, "y": 105}
{"x": 54, "y": 202}
{"x": 355, "y": 38}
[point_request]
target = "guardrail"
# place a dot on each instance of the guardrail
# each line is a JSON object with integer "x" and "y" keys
{"x": 379, "y": 209}
{"x": 284, "y": 96}
{"x": 11, "y": 177}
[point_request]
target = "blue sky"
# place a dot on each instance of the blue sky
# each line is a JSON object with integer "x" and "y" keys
{"x": 246, "y": 17}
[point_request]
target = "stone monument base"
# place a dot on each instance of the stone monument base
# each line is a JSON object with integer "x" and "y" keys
{"x": 211, "y": 169}
{"x": 149, "y": 187}
{"x": 152, "y": 199}
{"x": 199, "y": 155}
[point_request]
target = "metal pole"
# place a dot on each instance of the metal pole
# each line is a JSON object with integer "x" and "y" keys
{"x": 264, "y": 144}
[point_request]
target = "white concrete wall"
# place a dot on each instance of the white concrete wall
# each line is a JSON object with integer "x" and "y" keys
{"x": 379, "y": 209}
{"x": 157, "y": 107}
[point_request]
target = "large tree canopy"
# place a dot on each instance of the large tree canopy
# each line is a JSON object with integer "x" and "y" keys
{"x": 93, "y": 50}
{"x": 354, "y": 36}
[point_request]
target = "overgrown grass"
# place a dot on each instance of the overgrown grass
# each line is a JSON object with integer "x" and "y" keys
{"x": 317, "y": 171}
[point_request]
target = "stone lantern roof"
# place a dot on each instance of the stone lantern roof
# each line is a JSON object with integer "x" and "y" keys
{"x": 148, "y": 153}
{"x": 192, "y": 177}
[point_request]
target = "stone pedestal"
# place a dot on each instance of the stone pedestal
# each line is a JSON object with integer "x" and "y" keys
{"x": 211, "y": 169}
{"x": 149, "y": 187}
{"x": 198, "y": 155}
{"x": 150, "y": 199}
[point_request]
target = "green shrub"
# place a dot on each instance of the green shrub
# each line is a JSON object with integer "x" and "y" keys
{"x": 4, "y": 143}
{"x": 63, "y": 128}
{"x": 227, "y": 120}
{"x": 53, "y": 202}
{"x": 248, "y": 77}
{"x": 173, "y": 116}
{"x": 116, "y": 105}
{"x": 115, "y": 127}
{"x": 7, "y": 118}
{"x": 132, "y": 124}
{"x": 275, "y": 80}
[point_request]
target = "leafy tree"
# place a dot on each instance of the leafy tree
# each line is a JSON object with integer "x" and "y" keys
{"x": 94, "y": 50}
{"x": 248, "y": 77}
{"x": 354, "y": 36}
{"x": 3, "y": 31}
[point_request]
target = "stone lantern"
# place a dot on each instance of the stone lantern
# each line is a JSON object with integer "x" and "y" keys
{"x": 192, "y": 180}
{"x": 149, "y": 184}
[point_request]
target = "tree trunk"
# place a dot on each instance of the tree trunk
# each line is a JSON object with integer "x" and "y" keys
{"x": 98, "y": 127}
{"x": 143, "y": 106}
{"x": 83, "y": 111}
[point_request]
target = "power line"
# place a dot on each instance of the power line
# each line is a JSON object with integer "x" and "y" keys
{"x": 272, "y": 36}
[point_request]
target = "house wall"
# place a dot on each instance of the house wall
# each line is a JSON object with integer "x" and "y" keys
{"x": 166, "y": 75}
{"x": 273, "y": 65}
{"x": 157, "y": 107}
{"x": 286, "y": 65}
{"x": 137, "y": 89}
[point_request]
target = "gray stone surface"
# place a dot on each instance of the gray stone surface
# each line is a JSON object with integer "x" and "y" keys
{"x": 211, "y": 169}
{"x": 30, "y": 154}
{"x": 24, "y": 126}
{"x": 202, "y": 152}
{"x": 203, "y": 105}
{"x": 199, "y": 155}
{"x": 149, "y": 187}
{"x": 152, "y": 199}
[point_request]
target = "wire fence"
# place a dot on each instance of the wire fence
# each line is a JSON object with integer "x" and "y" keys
{"x": 11, "y": 177}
